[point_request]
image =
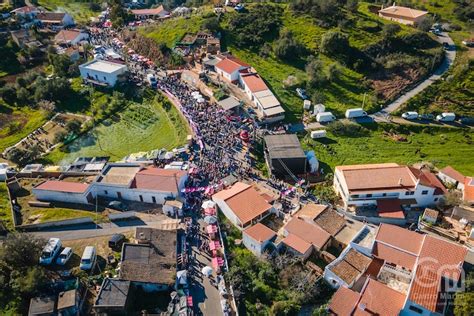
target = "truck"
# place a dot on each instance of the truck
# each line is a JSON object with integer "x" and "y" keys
{"x": 318, "y": 134}
{"x": 355, "y": 113}
{"x": 325, "y": 117}
{"x": 446, "y": 117}
{"x": 151, "y": 80}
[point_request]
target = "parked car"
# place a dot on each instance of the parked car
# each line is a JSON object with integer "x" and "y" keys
{"x": 446, "y": 46}
{"x": 355, "y": 113}
{"x": 88, "y": 258}
{"x": 427, "y": 117}
{"x": 50, "y": 251}
{"x": 325, "y": 117}
{"x": 239, "y": 7}
{"x": 116, "y": 241}
{"x": 151, "y": 80}
{"x": 64, "y": 256}
{"x": 467, "y": 120}
{"x": 446, "y": 117}
{"x": 410, "y": 115}
{"x": 302, "y": 93}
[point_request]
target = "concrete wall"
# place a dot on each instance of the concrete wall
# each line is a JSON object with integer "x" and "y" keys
{"x": 122, "y": 215}
{"x": 109, "y": 78}
{"x": 55, "y": 196}
{"x": 254, "y": 246}
{"x": 66, "y": 222}
{"x": 225, "y": 209}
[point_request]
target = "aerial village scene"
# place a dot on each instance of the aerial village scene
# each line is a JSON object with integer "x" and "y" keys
{"x": 236, "y": 157}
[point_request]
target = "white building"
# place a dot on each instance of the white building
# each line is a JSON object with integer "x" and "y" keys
{"x": 102, "y": 72}
{"x": 364, "y": 185}
{"x": 154, "y": 13}
{"x": 242, "y": 205}
{"x": 452, "y": 176}
{"x": 229, "y": 68}
{"x": 258, "y": 92}
{"x": 55, "y": 19}
{"x": 403, "y": 15}
{"x": 70, "y": 37}
{"x": 257, "y": 237}
{"x": 118, "y": 181}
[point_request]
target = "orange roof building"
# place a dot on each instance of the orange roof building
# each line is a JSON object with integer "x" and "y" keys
{"x": 157, "y": 12}
{"x": 242, "y": 204}
{"x": 371, "y": 184}
{"x": 309, "y": 232}
{"x": 70, "y": 37}
{"x": 229, "y": 68}
{"x": 403, "y": 15}
{"x": 257, "y": 237}
{"x": 468, "y": 191}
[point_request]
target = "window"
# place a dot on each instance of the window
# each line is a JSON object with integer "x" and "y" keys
{"x": 369, "y": 195}
{"x": 153, "y": 199}
{"x": 105, "y": 78}
{"x": 436, "y": 199}
{"x": 119, "y": 195}
{"x": 384, "y": 194}
{"x": 424, "y": 192}
{"x": 141, "y": 198}
{"x": 415, "y": 309}
{"x": 409, "y": 193}
{"x": 106, "y": 192}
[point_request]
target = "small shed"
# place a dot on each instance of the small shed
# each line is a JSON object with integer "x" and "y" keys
{"x": 68, "y": 303}
{"x": 229, "y": 103}
{"x": 42, "y": 306}
{"x": 173, "y": 207}
{"x": 430, "y": 216}
{"x": 306, "y": 104}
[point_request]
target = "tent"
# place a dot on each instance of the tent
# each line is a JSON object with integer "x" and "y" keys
{"x": 211, "y": 229}
{"x": 210, "y": 219}
{"x": 210, "y": 211}
{"x": 214, "y": 245}
{"x": 207, "y": 271}
{"x": 208, "y": 204}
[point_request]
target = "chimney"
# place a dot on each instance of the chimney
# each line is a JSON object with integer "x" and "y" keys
{"x": 394, "y": 4}
{"x": 361, "y": 306}
{"x": 400, "y": 181}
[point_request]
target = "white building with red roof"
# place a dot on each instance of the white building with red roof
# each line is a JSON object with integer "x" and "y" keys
{"x": 152, "y": 13}
{"x": 26, "y": 11}
{"x": 242, "y": 204}
{"x": 257, "y": 237}
{"x": 70, "y": 37}
{"x": 403, "y": 15}
{"x": 229, "y": 68}
{"x": 118, "y": 181}
{"x": 410, "y": 274}
{"x": 374, "y": 184}
{"x": 451, "y": 176}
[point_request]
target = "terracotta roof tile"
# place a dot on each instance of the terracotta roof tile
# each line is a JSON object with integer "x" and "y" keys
{"x": 453, "y": 173}
{"x": 296, "y": 243}
{"x": 63, "y": 186}
{"x": 344, "y": 301}
{"x": 157, "y": 179}
{"x": 379, "y": 299}
{"x": 331, "y": 222}
{"x": 404, "y": 12}
{"x": 154, "y": 11}
{"x": 311, "y": 233}
{"x": 394, "y": 256}
{"x": 390, "y": 208}
{"x": 429, "y": 179}
{"x": 468, "y": 192}
{"x": 65, "y": 36}
{"x": 311, "y": 210}
{"x": 230, "y": 64}
{"x": 259, "y": 232}
{"x": 401, "y": 238}
{"x": 254, "y": 82}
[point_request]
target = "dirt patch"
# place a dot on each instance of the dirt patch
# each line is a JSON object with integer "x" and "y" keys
{"x": 395, "y": 137}
{"x": 389, "y": 86}
{"x": 5, "y": 119}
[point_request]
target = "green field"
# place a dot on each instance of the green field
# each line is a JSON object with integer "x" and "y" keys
{"x": 376, "y": 143}
{"x": 79, "y": 10}
{"x": 5, "y": 211}
{"x": 140, "y": 127}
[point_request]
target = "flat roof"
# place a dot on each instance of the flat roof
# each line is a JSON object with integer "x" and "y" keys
{"x": 274, "y": 111}
{"x": 42, "y": 305}
{"x": 118, "y": 174}
{"x": 284, "y": 146}
{"x": 229, "y": 103}
{"x": 113, "y": 293}
{"x": 103, "y": 66}
{"x": 67, "y": 299}
{"x": 267, "y": 99}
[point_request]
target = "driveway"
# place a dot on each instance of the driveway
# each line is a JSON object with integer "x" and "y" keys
{"x": 382, "y": 116}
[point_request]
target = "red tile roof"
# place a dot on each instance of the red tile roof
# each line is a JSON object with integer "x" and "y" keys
{"x": 25, "y": 9}
{"x": 157, "y": 179}
{"x": 311, "y": 233}
{"x": 230, "y": 64}
{"x": 453, "y": 173}
{"x": 155, "y": 11}
{"x": 63, "y": 186}
{"x": 438, "y": 258}
{"x": 66, "y": 35}
{"x": 344, "y": 301}
{"x": 254, "y": 82}
{"x": 51, "y": 16}
{"x": 259, "y": 232}
{"x": 401, "y": 238}
{"x": 297, "y": 243}
{"x": 246, "y": 203}
{"x": 468, "y": 191}
{"x": 379, "y": 299}
{"x": 390, "y": 208}
{"x": 394, "y": 256}
{"x": 429, "y": 179}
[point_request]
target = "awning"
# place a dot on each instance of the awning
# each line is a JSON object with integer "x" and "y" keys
{"x": 215, "y": 245}
{"x": 390, "y": 208}
{"x": 217, "y": 262}
{"x": 229, "y": 103}
{"x": 211, "y": 229}
{"x": 210, "y": 211}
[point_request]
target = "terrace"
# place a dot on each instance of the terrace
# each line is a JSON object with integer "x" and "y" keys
{"x": 395, "y": 278}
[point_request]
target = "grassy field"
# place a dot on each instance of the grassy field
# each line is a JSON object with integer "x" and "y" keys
{"x": 5, "y": 212}
{"x": 79, "y": 10}
{"x": 141, "y": 127}
{"x": 377, "y": 143}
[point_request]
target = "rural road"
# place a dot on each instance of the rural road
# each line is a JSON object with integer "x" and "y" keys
{"x": 447, "y": 62}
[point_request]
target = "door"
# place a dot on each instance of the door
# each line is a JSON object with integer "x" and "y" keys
{"x": 119, "y": 195}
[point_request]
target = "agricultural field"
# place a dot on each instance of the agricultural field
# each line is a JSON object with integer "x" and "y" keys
{"x": 81, "y": 11}
{"x": 5, "y": 211}
{"x": 404, "y": 144}
{"x": 140, "y": 127}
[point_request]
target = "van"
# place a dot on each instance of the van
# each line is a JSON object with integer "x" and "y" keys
{"x": 446, "y": 117}
{"x": 324, "y": 117}
{"x": 355, "y": 113}
{"x": 318, "y": 134}
{"x": 151, "y": 80}
{"x": 50, "y": 251}
{"x": 64, "y": 256}
{"x": 410, "y": 115}
{"x": 116, "y": 241}
{"x": 88, "y": 258}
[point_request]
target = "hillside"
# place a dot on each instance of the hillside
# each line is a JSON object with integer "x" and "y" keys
{"x": 377, "y": 63}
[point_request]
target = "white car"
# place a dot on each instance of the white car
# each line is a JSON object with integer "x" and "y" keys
{"x": 64, "y": 256}
{"x": 410, "y": 115}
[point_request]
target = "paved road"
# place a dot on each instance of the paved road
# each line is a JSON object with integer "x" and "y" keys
{"x": 448, "y": 61}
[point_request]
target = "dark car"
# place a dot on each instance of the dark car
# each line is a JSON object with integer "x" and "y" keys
{"x": 116, "y": 241}
{"x": 428, "y": 117}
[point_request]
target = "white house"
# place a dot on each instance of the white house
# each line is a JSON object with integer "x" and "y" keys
{"x": 242, "y": 205}
{"x": 62, "y": 191}
{"x": 102, "y": 72}
{"x": 364, "y": 185}
{"x": 118, "y": 181}
{"x": 229, "y": 68}
{"x": 55, "y": 19}
{"x": 403, "y": 15}
{"x": 257, "y": 237}
{"x": 154, "y": 13}
{"x": 70, "y": 37}
{"x": 267, "y": 104}
{"x": 26, "y": 12}
{"x": 452, "y": 176}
